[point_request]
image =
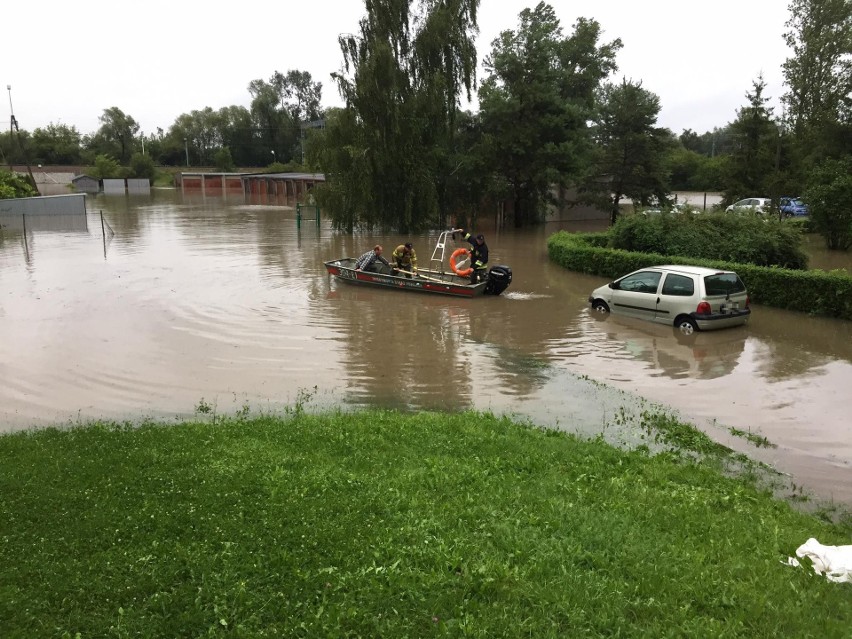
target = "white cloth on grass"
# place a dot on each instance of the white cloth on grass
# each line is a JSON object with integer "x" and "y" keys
{"x": 835, "y": 562}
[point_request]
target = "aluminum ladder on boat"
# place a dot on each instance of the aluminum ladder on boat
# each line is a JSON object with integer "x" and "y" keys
{"x": 440, "y": 247}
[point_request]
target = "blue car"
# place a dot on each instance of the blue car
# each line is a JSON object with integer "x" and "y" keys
{"x": 792, "y": 207}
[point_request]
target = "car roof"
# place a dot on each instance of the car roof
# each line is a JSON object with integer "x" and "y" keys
{"x": 691, "y": 270}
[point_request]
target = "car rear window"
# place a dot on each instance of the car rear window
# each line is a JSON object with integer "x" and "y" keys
{"x": 723, "y": 284}
{"x": 678, "y": 285}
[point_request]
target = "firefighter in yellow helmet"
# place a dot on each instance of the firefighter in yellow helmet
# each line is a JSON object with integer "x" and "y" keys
{"x": 405, "y": 259}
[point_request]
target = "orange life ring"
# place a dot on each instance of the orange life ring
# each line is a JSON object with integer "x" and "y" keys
{"x": 457, "y": 253}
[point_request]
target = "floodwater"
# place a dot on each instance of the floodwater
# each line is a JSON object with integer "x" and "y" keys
{"x": 177, "y": 302}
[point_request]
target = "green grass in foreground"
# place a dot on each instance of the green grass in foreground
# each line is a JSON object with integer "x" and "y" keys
{"x": 380, "y": 524}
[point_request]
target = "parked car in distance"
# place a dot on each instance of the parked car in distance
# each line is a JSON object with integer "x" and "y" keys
{"x": 759, "y": 205}
{"x": 792, "y": 207}
{"x": 685, "y": 207}
{"x": 687, "y": 297}
{"x": 674, "y": 209}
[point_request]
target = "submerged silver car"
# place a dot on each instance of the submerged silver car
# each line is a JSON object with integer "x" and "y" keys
{"x": 687, "y": 297}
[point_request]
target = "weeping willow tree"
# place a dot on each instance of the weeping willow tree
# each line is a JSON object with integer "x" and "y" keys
{"x": 385, "y": 154}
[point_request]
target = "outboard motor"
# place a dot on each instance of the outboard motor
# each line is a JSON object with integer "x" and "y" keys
{"x": 499, "y": 277}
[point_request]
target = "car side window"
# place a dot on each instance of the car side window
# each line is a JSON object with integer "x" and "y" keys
{"x": 678, "y": 285}
{"x": 642, "y": 282}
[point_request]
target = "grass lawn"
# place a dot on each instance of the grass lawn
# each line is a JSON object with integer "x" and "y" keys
{"x": 380, "y": 524}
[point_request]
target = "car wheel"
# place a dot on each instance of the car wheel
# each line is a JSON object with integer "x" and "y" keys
{"x": 686, "y": 325}
{"x": 599, "y": 306}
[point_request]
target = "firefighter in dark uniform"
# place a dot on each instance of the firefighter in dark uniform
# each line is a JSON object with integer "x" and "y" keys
{"x": 478, "y": 257}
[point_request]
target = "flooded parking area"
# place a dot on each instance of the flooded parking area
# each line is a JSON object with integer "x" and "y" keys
{"x": 178, "y": 300}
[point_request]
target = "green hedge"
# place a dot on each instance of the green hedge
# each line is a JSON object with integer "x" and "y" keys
{"x": 815, "y": 292}
{"x": 746, "y": 239}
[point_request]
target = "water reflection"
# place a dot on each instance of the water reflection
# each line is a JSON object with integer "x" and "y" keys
{"x": 28, "y": 226}
{"x": 793, "y": 345}
{"x": 822, "y": 258}
{"x": 227, "y": 299}
{"x": 666, "y": 351}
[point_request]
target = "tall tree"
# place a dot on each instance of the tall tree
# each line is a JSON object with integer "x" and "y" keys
{"x": 631, "y": 151}
{"x": 115, "y": 135}
{"x": 535, "y": 104}
{"x": 238, "y": 134}
{"x": 444, "y": 65}
{"x": 709, "y": 143}
{"x": 750, "y": 167}
{"x": 299, "y": 94}
{"x": 340, "y": 149}
{"x": 202, "y": 132}
{"x": 403, "y": 74}
{"x": 276, "y": 131}
{"x": 818, "y": 76}
{"x": 56, "y": 144}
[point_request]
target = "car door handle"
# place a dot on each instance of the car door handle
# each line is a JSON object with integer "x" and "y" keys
{"x": 658, "y": 300}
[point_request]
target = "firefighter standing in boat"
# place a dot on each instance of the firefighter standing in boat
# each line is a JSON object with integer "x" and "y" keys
{"x": 405, "y": 259}
{"x": 478, "y": 257}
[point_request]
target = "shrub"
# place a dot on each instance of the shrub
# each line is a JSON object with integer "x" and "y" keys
{"x": 223, "y": 160}
{"x": 731, "y": 238}
{"x": 142, "y": 166}
{"x": 13, "y": 185}
{"x": 106, "y": 167}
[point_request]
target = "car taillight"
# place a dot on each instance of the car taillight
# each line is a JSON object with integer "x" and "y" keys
{"x": 703, "y": 308}
{"x": 748, "y": 301}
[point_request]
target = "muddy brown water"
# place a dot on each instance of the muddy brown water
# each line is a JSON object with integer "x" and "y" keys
{"x": 185, "y": 300}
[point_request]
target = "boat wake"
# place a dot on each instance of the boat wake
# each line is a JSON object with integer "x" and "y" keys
{"x": 516, "y": 295}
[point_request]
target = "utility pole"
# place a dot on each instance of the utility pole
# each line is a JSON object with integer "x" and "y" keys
{"x": 13, "y": 128}
{"x": 11, "y": 124}
{"x": 186, "y": 148}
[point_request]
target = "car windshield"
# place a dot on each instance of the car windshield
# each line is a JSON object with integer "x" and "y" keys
{"x": 723, "y": 284}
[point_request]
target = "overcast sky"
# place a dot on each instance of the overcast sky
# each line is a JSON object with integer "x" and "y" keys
{"x": 68, "y": 61}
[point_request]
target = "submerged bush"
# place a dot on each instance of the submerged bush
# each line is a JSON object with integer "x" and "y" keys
{"x": 730, "y": 238}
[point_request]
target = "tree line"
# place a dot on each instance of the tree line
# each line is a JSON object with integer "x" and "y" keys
{"x": 554, "y": 122}
{"x": 269, "y": 130}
